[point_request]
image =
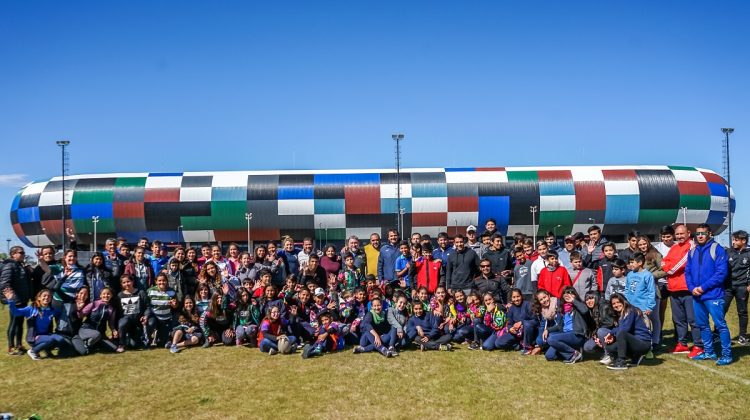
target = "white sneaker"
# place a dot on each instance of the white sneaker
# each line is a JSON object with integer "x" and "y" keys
{"x": 606, "y": 360}
{"x": 33, "y": 355}
{"x": 273, "y": 352}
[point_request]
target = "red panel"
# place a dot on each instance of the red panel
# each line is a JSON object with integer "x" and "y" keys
{"x": 52, "y": 227}
{"x": 619, "y": 174}
{"x": 711, "y": 177}
{"x": 125, "y": 210}
{"x": 162, "y": 195}
{"x": 489, "y": 169}
{"x": 17, "y": 229}
{"x": 562, "y": 175}
{"x": 590, "y": 195}
{"x": 362, "y": 199}
{"x": 463, "y": 203}
{"x": 429, "y": 219}
{"x": 693, "y": 188}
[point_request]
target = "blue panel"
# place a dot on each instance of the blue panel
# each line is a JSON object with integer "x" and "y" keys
{"x": 497, "y": 208}
{"x": 429, "y": 190}
{"x": 718, "y": 189}
{"x": 296, "y": 192}
{"x": 460, "y": 169}
{"x": 28, "y": 215}
{"x": 16, "y": 202}
{"x": 163, "y": 174}
{"x": 622, "y": 209}
{"x": 733, "y": 205}
{"x": 85, "y": 211}
{"x": 346, "y": 179}
{"x": 330, "y": 206}
{"x": 390, "y": 206}
{"x": 229, "y": 193}
{"x": 716, "y": 217}
{"x": 556, "y": 188}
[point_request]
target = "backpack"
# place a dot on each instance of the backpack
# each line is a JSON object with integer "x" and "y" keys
{"x": 711, "y": 251}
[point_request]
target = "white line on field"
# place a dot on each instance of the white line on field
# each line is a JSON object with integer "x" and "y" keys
{"x": 710, "y": 369}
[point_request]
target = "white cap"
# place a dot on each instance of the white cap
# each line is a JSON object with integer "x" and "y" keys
{"x": 320, "y": 292}
{"x": 470, "y": 228}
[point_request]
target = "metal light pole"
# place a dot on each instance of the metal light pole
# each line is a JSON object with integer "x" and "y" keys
{"x": 401, "y": 212}
{"x": 179, "y": 230}
{"x": 684, "y": 215}
{"x": 727, "y": 132}
{"x": 63, "y": 144}
{"x": 397, "y": 138}
{"x": 248, "y": 217}
{"x": 95, "y": 221}
{"x": 554, "y": 232}
{"x": 8, "y": 240}
{"x": 533, "y": 210}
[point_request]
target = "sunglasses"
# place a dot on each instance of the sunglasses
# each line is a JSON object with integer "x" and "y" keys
{"x": 701, "y": 233}
{"x": 485, "y": 266}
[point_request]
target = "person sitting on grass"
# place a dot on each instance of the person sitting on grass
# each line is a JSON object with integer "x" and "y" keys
{"x": 185, "y": 334}
{"x": 327, "y": 337}
{"x": 246, "y": 319}
{"x": 519, "y": 312}
{"x": 273, "y": 328}
{"x": 40, "y": 315}
{"x": 398, "y": 317}
{"x": 423, "y": 329}
{"x": 133, "y": 305}
{"x": 488, "y": 329}
{"x": 567, "y": 337}
{"x": 97, "y": 316}
{"x": 375, "y": 331}
{"x": 216, "y": 321}
{"x": 640, "y": 289}
{"x": 545, "y": 314}
{"x": 162, "y": 301}
{"x": 604, "y": 321}
{"x": 463, "y": 329}
{"x": 631, "y": 337}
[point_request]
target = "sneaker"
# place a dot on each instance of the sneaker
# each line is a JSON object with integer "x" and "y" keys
{"x": 168, "y": 345}
{"x": 606, "y": 360}
{"x": 445, "y": 347}
{"x": 35, "y": 356}
{"x": 306, "y": 351}
{"x": 525, "y": 352}
{"x": 743, "y": 341}
{"x": 174, "y": 349}
{"x": 120, "y": 349}
{"x": 576, "y": 357}
{"x": 393, "y": 351}
{"x": 636, "y": 361}
{"x": 300, "y": 346}
{"x": 705, "y": 356}
{"x": 273, "y": 352}
{"x": 474, "y": 346}
{"x": 723, "y": 361}
{"x": 384, "y": 351}
{"x": 11, "y": 351}
{"x": 206, "y": 344}
{"x": 681, "y": 349}
{"x": 695, "y": 351}
{"x": 619, "y": 364}
{"x": 238, "y": 342}
{"x": 358, "y": 349}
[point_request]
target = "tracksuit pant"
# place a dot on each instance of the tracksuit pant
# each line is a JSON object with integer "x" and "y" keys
{"x": 740, "y": 293}
{"x": 683, "y": 316}
{"x": 715, "y": 309}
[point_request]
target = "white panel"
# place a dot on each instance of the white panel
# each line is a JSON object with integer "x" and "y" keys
{"x": 39, "y": 240}
{"x": 468, "y": 177}
{"x": 195, "y": 194}
{"x": 696, "y": 216}
{"x": 429, "y": 204}
{"x": 694, "y": 176}
{"x": 199, "y": 236}
{"x": 296, "y": 207}
{"x": 229, "y": 179}
{"x": 35, "y": 188}
{"x": 53, "y": 198}
{"x": 462, "y": 218}
{"x": 329, "y": 221}
{"x": 390, "y": 191}
{"x": 164, "y": 182}
{"x": 557, "y": 202}
{"x": 428, "y": 230}
{"x": 526, "y": 229}
{"x": 587, "y": 174}
{"x": 362, "y": 233}
{"x": 719, "y": 203}
{"x": 621, "y": 187}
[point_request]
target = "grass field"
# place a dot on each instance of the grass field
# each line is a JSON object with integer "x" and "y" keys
{"x": 243, "y": 383}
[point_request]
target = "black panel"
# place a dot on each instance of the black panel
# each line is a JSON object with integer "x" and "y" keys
{"x": 94, "y": 184}
{"x": 13, "y": 217}
{"x": 300, "y": 180}
{"x": 32, "y": 228}
{"x": 30, "y": 200}
{"x": 262, "y": 187}
{"x": 52, "y": 212}
{"x": 123, "y": 226}
{"x": 190, "y": 208}
{"x": 428, "y": 177}
{"x": 328, "y": 191}
{"x": 129, "y": 195}
{"x": 196, "y": 181}
{"x": 390, "y": 178}
{"x": 463, "y": 190}
{"x": 370, "y": 220}
{"x": 53, "y": 186}
{"x": 658, "y": 189}
{"x": 265, "y": 213}
{"x": 523, "y": 195}
{"x": 295, "y": 221}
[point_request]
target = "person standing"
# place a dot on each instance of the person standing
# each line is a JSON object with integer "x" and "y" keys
{"x": 387, "y": 258}
{"x": 372, "y": 252}
{"x": 704, "y": 274}
{"x": 737, "y": 284}
{"x": 462, "y": 267}
{"x": 16, "y": 277}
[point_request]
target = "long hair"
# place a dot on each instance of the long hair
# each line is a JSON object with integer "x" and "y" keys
{"x": 216, "y": 279}
{"x": 626, "y": 306}
{"x": 536, "y": 306}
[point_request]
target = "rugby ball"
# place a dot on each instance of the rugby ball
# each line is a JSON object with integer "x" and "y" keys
{"x": 285, "y": 347}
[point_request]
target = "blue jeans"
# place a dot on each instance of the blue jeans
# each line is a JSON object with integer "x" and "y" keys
{"x": 590, "y": 345}
{"x": 563, "y": 344}
{"x": 530, "y": 333}
{"x": 505, "y": 341}
{"x": 395, "y": 341}
{"x": 462, "y": 333}
{"x": 481, "y": 332}
{"x": 368, "y": 341}
{"x": 266, "y": 344}
{"x": 47, "y": 342}
{"x": 714, "y": 308}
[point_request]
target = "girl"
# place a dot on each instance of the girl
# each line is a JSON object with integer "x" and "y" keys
{"x": 632, "y": 335}
{"x": 225, "y": 267}
{"x": 545, "y": 317}
{"x": 244, "y": 269}
{"x": 97, "y": 275}
{"x": 272, "y": 328}
{"x": 246, "y": 319}
{"x": 216, "y": 321}
{"x": 133, "y": 305}
{"x": 331, "y": 261}
{"x": 140, "y": 270}
{"x": 189, "y": 268}
{"x": 653, "y": 264}
{"x": 202, "y": 298}
{"x": 519, "y": 312}
{"x": 274, "y": 259}
{"x": 210, "y": 276}
{"x": 262, "y": 263}
{"x": 175, "y": 279}
{"x": 184, "y": 334}
{"x": 190, "y": 310}
{"x": 601, "y": 313}
{"x": 40, "y": 316}
{"x": 375, "y": 331}
{"x": 567, "y": 337}
{"x": 97, "y": 316}
{"x": 462, "y": 328}
{"x": 161, "y": 302}
{"x": 491, "y": 323}
{"x": 233, "y": 257}
{"x": 70, "y": 280}
{"x": 397, "y": 316}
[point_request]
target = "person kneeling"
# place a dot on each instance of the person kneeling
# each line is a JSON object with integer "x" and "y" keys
{"x": 631, "y": 337}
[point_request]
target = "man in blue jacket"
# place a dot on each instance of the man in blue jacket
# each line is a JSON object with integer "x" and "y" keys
{"x": 705, "y": 272}
{"x": 387, "y": 258}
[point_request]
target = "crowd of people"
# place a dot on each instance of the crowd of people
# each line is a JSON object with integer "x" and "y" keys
{"x": 584, "y": 298}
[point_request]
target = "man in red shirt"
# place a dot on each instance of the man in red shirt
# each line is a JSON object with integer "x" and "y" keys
{"x": 553, "y": 277}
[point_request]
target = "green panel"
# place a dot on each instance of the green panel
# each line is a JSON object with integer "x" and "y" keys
{"x": 657, "y": 217}
{"x": 86, "y": 226}
{"x": 523, "y": 176}
{"x": 130, "y": 182}
{"x": 549, "y": 219}
{"x": 333, "y": 234}
{"x": 682, "y": 168}
{"x": 696, "y": 202}
{"x": 197, "y": 222}
{"x": 93, "y": 196}
{"x": 228, "y": 215}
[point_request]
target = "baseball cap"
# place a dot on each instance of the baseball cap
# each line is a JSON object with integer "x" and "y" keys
{"x": 320, "y": 292}
{"x": 471, "y": 228}
{"x": 570, "y": 238}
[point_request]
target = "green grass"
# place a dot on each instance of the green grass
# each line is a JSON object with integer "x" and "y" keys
{"x": 243, "y": 383}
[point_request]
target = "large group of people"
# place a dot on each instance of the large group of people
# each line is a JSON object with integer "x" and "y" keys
{"x": 581, "y": 298}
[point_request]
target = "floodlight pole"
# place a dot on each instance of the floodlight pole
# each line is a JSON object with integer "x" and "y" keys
{"x": 398, "y": 138}
{"x": 63, "y": 144}
{"x": 95, "y": 221}
{"x": 533, "y": 210}
{"x": 727, "y": 132}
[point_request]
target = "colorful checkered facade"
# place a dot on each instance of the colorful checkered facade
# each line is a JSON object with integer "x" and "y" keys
{"x": 203, "y": 207}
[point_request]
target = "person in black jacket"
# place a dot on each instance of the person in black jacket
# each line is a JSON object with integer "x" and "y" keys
{"x": 16, "y": 277}
{"x": 98, "y": 276}
{"x": 489, "y": 282}
{"x": 604, "y": 321}
{"x": 45, "y": 262}
{"x": 462, "y": 267}
{"x": 737, "y": 284}
{"x": 502, "y": 261}
{"x": 567, "y": 337}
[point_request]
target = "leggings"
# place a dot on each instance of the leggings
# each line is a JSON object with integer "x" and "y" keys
{"x": 626, "y": 344}
{"x": 130, "y": 329}
{"x": 15, "y": 331}
{"x": 246, "y": 334}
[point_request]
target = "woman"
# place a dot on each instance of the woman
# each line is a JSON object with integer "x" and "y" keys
{"x": 98, "y": 276}
{"x": 216, "y": 322}
{"x": 375, "y": 331}
{"x": 601, "y": 313}
{"x": 631, "y": 337}
{"x": 567, "y": 337}
{"x": 210, "y": 276}
{"x": 331, "y": 261}
{"x": 545, "y": 317}
{"x": 40, "y": 315}
{"x": 653, "y": 264}
{"x": 282, "y": 269}
{"x": 97, "y": 316}
{"x": 139, "y": 268}
{"x": 519, "y": 312}
{"x": 262, "y": 262}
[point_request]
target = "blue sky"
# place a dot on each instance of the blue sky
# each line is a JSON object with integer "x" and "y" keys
{"x": 181, "y": 85}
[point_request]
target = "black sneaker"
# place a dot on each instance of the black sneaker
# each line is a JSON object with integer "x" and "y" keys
{"x": 306, "y": 351}
{"x": 576, "y": 357}
{"x": 619, "y": 364}
{"x": 743, "y": 341}
{"x": 474, "y": 346}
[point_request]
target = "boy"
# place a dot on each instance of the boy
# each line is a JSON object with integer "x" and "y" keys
{"x": 604, "y": 265}
{"x": 583, "y": 278}
{"x": 616, "y": 284}
{"x": 427, "y": 271}
{"x": 403, "y": 264}
{"x": 326, "y": 337}
{"x": 640, "y": 288}
{"x": 185, "y": 334}
{"x": 162, "y": 301}
{"x": 522, "y": 275}
{"x": 554, "y": 277}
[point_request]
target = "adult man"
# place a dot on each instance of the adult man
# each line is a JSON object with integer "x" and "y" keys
{"x": 499, "y": 256}
{"x": 592, "y": 252}
{"x": 704, "y": 273}
{"x": 352, "y": 247}
{"x": 489, "y": 282}
{"x": 667, "y": 240}
{"x": 462, "y": 267}
{"x": 683, "y": 315}
{"x": 15, "y": 276}
{"x": 444, "y": 248}
{"x": 564, "y": 253}
{"x": 387, "y": 258}
{"x": 46, "y": 260}
{"x": 471, "y": 238}
{"x": 372, "y": 252}
{"x": 737, "y": 284}
{"x": 307, "y": 249}
{"x": 112, "y": 260}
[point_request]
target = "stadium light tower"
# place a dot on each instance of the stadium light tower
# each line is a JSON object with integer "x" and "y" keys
{"x": 398, "y": 137}
{"x": 684, "y": 215}
{"x": 533, "y": 210}
{"x": 63, "y": 144}
{"x": 728, "y": 175}
{"x": 248, "y": 217}
{"x": 95, "y": 221}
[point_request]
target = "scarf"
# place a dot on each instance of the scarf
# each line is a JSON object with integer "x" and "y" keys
{"x": 377, "y": 318}
{"x": 567, "y": 307}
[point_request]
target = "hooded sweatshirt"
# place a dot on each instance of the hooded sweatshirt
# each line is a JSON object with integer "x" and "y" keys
{"x": 554, "y": 280}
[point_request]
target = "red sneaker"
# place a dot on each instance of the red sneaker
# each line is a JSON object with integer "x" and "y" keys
{"x": 680, "y": 349}
{"x": 695, "y": 351}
